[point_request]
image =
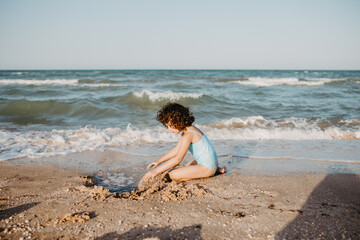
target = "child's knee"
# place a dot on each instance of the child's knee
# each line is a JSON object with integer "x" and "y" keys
{"x": 174, "y": 176}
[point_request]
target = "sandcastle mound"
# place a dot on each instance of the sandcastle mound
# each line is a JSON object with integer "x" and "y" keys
{"x": 164, "y": 188}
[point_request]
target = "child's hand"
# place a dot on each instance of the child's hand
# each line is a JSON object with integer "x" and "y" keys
{"x": 153, "y": 164}
{"x": 149, "y": 175}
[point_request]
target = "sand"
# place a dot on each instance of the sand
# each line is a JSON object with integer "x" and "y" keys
{"x": 46, "y": 202}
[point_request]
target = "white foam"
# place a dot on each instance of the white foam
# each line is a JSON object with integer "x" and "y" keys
{"x": 239, "y": 122}
{"x": 18, "y": 73}
{"x": 71, "y": 82}
{"x": 280, "y": 134}
{"x": 168, "y": 95}
{"x": 267, "y": 82}
{"x": 36, "y": 144}
{"x": 57, "y": 82}
{"x": 259, "y": 128}
{"x": 322, "y": 81}
{"x": 96, "y": 85}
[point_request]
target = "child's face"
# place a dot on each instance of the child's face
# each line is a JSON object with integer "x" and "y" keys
{"x": 173, "y": 130}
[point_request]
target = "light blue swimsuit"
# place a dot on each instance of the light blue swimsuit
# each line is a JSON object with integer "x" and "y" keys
{"x": 204, "y": 153}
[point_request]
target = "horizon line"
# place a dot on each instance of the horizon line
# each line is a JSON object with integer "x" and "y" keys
{"x": 176, "y": 69}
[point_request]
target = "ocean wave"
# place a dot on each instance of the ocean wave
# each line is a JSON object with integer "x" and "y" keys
{"x": 96, "y": 85}
{"x": 259, "y": 128}
{"x": 268, "y": 82}
{"x": 168, "y": 95}
{"x": 292, "y": 122}
{"x": 71, "y": 82}
{"x": 25, "y": 112}
{"x": 18, "y": 73}
{"x": 34, "y": 144}
{"x": 57, "y": 82}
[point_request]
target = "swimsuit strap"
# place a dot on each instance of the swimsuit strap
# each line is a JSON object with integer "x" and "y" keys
{"x": 195, "y": 132}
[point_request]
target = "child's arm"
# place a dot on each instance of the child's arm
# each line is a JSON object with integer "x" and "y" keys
{"x": 184, "y": 144}
{"x": 166, "y": 157}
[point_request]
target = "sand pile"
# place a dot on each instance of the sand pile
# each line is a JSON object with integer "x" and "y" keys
{"x": 80, "y": 217}
{"x": 95, "y": 192}
{"x": 76, "y": 217}
{"x": 164, "y": 188}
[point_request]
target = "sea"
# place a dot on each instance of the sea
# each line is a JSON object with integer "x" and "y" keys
{"x": 260, "y": 121}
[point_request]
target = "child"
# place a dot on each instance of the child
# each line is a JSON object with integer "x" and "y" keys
{"x": 178, "y": 118}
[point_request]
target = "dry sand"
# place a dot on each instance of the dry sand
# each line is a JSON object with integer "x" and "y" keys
{"x": 46, "y": 202}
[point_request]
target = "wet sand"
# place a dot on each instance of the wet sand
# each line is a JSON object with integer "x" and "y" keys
{"x": 47, "y": 202}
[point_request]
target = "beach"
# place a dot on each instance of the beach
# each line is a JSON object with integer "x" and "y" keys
{"x": 48, "y": 202}
{"x": 74, "y": 145}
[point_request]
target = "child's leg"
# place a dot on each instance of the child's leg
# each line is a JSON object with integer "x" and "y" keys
{"x": 190, "y": 172}
{"x": 193, "y": 162}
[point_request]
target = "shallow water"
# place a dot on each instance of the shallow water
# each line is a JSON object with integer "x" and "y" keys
{"x": 122, "y": 171}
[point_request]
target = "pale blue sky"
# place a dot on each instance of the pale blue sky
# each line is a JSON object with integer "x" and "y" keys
{"x": 76, "y": 34}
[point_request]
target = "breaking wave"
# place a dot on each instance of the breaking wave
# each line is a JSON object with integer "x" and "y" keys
{"x": 36, "y": 144}
{"x": 267, "y": 82}
{"x": 168, "y": 95}
{"x": 57, "y": 82}
{"x": 259, "y": 128}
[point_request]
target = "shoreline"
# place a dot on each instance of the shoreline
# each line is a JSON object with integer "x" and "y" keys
{"x": 91, "y": 161}
{"x": 47, "y": 202}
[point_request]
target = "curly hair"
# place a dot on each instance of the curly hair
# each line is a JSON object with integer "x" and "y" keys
{"x": 176, "y": 115}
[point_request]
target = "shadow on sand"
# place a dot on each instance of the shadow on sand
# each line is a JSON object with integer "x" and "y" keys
{"x": 16, "y": 210}
{"x": 191, "y": 232}
{"x": 331, "y": 212}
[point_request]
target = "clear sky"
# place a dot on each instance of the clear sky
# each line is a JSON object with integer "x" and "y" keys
{"x": 144, "y": 34}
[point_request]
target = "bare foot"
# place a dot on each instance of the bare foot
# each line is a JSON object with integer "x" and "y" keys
{"x": 221, "y": 170}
